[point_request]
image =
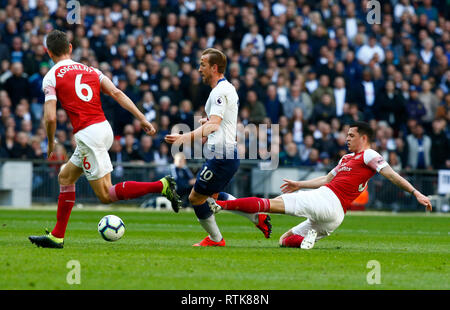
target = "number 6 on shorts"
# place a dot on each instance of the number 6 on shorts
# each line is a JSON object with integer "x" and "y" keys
{"x": 86, "y": 164}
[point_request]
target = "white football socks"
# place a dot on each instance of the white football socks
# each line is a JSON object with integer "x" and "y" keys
{"x": 211, "y": 228}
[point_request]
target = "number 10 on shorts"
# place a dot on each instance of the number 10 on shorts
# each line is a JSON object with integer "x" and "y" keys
{"x": 206, "y": 174}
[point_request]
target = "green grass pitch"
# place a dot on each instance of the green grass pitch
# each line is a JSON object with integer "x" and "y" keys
{"x": 413, "y": 252}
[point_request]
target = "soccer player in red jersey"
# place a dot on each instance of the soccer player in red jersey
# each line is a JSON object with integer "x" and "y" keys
{"x": 325, "y": 205}
{"x": 77, "y": 87}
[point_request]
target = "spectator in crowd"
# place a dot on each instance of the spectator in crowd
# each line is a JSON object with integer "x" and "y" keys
{"x": 419, "y": 148}
{"x": 186, "y": 115}
{"x": 440, "y": 145}
{"x": 443, "y": 110}
{"x": 22, "y": 148}
{"x": 370, "y": 53}
{"x": 382, "y": 73}
{"x": 415, "y": 108}
{"x": 17, "y": 85}
{"x": 254, "y": 38}
{"x": 430, "y": 102}
{"x": 146, "y": 152}
{"x": 274, "y": 108}
{"x": 365, "y": 95}
{"x": 59, "y": 156}
{"x": 324, "y": 110}
{"x": 298, "y": 99}
{"x": 290, "y": 157}
{"x": 323, "y": 88}
{"x": 297, "y": 126}
{"x": 256, "y": 108}
{"x": 130, "y": 150}
{"x": 3, "y": 151}
{"x": 390, "y": 106}
{"x": 341, "y": 96}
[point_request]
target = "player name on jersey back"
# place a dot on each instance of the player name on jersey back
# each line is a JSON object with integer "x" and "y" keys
{"x": 80, "y": 67}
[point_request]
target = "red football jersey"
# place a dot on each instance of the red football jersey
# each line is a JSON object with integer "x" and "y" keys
{"x": 352, "y": 174}
{"x": 77, "y": 87}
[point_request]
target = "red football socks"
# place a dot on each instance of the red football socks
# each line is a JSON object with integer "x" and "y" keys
{"x": 66, "y": 200}
{"x": 131, "y": 189}
{"x": 292, "y": 241}
{"x": 248, "y": 205}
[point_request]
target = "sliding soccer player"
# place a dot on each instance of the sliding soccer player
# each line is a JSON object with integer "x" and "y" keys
{"x": 324, "y": 207}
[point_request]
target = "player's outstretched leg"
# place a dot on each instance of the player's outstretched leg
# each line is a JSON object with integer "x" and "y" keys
{"x": 248, "y": 205}
{"x": 131, "y": 189}
{"x": 261, "y": 221}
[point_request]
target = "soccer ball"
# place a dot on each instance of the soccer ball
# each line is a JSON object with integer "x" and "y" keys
{"x": 111, "y": 228}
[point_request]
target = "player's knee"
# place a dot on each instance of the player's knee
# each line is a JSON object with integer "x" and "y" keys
{"x": 194, "y": 199}
{"x": 64, "y": 179}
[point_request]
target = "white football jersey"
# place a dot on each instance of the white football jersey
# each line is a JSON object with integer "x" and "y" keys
{"x": 223, "y": 101}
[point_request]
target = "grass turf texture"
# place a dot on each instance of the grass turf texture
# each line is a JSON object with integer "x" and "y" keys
{"x": 156, "y": 253}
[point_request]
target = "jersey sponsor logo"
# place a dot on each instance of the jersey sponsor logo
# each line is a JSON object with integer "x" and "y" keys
{"x": 344, "y": 168}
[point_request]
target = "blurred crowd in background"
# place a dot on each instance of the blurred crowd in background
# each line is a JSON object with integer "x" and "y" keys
{"x": 313, "y": 67}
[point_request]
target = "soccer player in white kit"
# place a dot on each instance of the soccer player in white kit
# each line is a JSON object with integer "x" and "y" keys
{"x": 220, "y": 128}
{"x": 77, "y": 87}
{"x": 325, "y": 205}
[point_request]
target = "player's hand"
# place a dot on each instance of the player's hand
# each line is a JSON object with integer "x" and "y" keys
{"x": 423, "y": 200}
{"x": 174, "y": 138}
{"x": 50, "y": 148}
{"x": 202, "y": 120}
{"x": 148, "y": 128}
{"x": 289, "y": 186}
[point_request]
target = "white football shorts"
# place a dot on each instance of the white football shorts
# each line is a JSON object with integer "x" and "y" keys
{"x": 321, "y": 207}
{"x": 91, "y": 153}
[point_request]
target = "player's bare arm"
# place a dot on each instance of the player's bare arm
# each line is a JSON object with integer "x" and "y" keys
{"x": 290, "y": 186}
{"x": 50, "y": 124}
{"x": 401, "y": 182}
{"x": 108, "y": 88}
{"x": 204, "y": 130}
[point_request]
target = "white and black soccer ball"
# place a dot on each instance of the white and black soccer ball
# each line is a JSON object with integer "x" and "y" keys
{"x": 111, "y": 228}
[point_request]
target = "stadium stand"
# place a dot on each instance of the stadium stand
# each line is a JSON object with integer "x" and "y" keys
{"x": 311, "y": 66}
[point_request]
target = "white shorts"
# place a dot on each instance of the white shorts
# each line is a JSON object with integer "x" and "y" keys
{"x": 321, "y": 207}
{"x": 91, "y": 153}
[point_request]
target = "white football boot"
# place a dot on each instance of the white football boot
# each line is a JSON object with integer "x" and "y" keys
{"x": 213, "y": 205}
{"x": 309, "y": 240}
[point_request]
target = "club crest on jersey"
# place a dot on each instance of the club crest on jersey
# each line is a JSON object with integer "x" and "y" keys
{"x": 219, "y": 101}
